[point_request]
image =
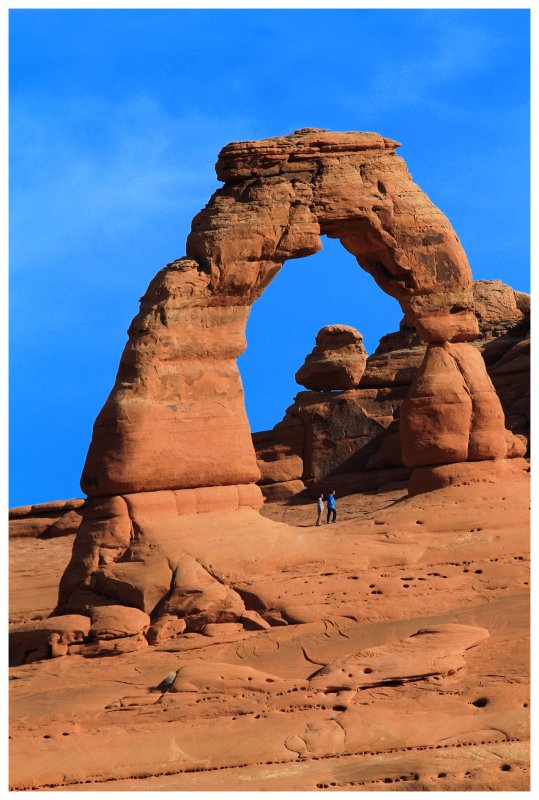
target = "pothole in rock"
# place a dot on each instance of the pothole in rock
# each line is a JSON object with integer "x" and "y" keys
{"x": 481, "y": 702}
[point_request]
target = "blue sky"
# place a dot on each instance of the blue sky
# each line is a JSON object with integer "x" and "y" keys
{"x": 116, "y": 120}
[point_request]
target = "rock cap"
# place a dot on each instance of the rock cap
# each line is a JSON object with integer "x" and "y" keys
{"x": 239, "y": 160}
{"x": 337, "y": 361}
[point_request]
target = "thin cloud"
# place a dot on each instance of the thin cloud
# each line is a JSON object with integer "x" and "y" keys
{"x": 89, "y": 169}
{"x": 448, "y": 51}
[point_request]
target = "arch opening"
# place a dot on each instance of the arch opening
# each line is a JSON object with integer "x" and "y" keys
{"x": 306, "y": 295}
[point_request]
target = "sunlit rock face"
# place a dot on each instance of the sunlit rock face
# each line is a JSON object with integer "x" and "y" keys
{"x": 175, "y": 417}
{"x": 172, "y": 440}
{"x": 337, "y": 361}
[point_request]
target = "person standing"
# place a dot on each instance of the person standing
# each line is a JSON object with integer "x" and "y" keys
{"x": 332, "y": 506}
{"x": 320, "y": 505}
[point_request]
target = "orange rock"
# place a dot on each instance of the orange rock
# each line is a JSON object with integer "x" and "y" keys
{"x": 426, "y": 479}
{"x": 28, "y": 642}
{"x": 172, "y": 441}
{"x": 337, "y": 361}
{"x": 438, "y": 650}
{"x": 111, "y": 622}
{"x": 436, "y": 416}
{"x": 452, "y": 413}
{"x": 178, "y": 388}
{"x": 57, "y": 518}
{"x": 200, "y": 598}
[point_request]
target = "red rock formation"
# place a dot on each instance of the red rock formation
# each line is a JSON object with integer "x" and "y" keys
{"x": 172, "y": 439}
{"x": 410, "y": 665}
{"x": 337, "y": 361}
{"x": 304, "y": 449}
{"x": 178, "y": 386}
{"x": 48, "y": 520}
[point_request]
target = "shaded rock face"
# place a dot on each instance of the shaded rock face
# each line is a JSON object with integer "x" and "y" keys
{"x": 172, "y": 440}
{"x": 337, "y": 361}
{"x": 304, "y": 448}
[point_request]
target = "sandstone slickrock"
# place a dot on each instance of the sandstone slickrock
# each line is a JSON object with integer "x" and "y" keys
{"x": 447, "y": 709}
{"x": 337, "y": 361}
{"x": 111, "y": 622}
{"x": 438, "y": 650}
{"x": 200, "y": 598}
{"x": 266, "y": 632}
{"x": 32, "y": 642}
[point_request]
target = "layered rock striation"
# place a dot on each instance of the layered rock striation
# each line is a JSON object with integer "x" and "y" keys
{"x": 46, "y": 520}
{"x": 178, "y": 386}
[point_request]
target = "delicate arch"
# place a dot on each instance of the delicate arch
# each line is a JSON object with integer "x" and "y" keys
{"x": 175, "y": 417}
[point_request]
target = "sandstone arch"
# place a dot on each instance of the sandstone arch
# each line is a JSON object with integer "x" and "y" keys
{"x": 178, "y": 388}
{"x": 172, "y": 439}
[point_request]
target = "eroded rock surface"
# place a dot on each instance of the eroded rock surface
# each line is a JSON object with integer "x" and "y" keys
{"x": 305, "y": 450}
{"x": 178, "y": 387}
{"x": 400, "y": 661}
{"x": 172, "y": 439}
{"x": 337, "y": 361}
{"x": 48, "y": 520}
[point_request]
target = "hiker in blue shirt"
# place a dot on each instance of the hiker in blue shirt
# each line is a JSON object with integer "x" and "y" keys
{"x": 332, "y": 508}
{"x": 320, "y": 506}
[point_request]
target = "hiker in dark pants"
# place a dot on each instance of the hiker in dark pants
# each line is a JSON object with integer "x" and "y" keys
{"x": 332, "y": 508}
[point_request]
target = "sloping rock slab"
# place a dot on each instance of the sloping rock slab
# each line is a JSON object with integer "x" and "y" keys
{"x": 438, "y": 650}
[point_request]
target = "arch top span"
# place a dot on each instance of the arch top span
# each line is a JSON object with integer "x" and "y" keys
{"x": 301, "y": 150}
{"x": 281, "y": 194}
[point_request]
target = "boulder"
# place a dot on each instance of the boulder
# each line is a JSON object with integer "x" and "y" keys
{"x": 337, "y": 361}
{"x": 200, "y": 598}
{"x": 113, "y": 622}
{"x": 164, "y": 628}
{"x": 141, "y": 584}
{"x": 34, "y": 641}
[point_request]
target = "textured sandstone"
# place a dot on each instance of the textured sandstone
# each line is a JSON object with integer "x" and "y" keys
{"x": 272, "y": 673}
{"x": 178, "y": 386}
{"x": 433, "y": 651}
{"x": 447, "y": 709}
{"x": 496, "y": 303}
{"x": 57, "y": 518}
{"x": 428, "y": 479}
{"x": 172, "y": 440}
{"x": 503, "y": 316}
{"x": 200, "y": 598}
{"x": 111, "y": 622}
{"x": 32, "y": 642}
{"x": 337, "y": 361}
{"x": 452, "y": 412}
{"x": 141, "y": 584}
